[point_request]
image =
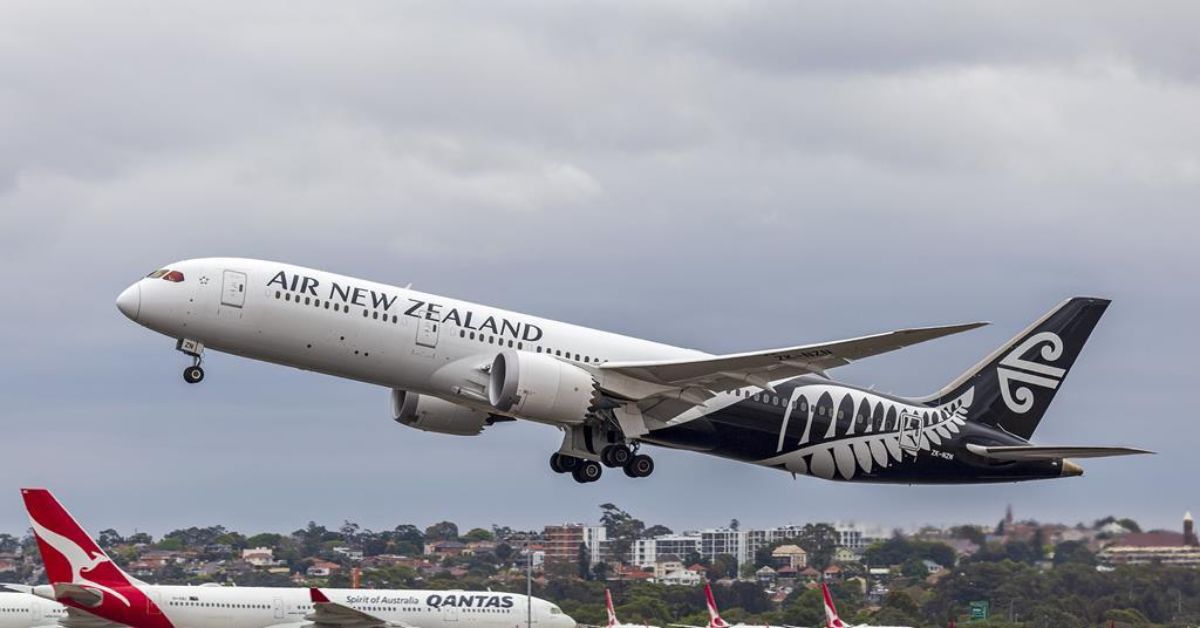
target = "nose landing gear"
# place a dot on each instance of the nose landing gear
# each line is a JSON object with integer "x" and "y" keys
{"x": 194, "y": 348}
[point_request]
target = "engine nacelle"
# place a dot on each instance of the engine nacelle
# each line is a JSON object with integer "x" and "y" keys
{"x": 436, "y": 415}
{"x": 539, "y": 387}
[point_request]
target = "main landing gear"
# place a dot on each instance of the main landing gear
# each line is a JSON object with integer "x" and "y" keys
{"x": 585, "y": 471}
{"x": 193, "y": 374}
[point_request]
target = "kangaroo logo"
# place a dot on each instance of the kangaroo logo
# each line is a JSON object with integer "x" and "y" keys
{"x": 80, "y": 559}
{"x": 1017, "y": 374}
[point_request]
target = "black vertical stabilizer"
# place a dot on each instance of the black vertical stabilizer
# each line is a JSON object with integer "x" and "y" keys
{"x": 1016, "y": 383}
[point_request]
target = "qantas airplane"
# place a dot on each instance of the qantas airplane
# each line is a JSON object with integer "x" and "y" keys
{"x": 83, "y": 577}
{"x": 714, "y": 616}
{"x": 831, "y": 615}
{"x": 21, "y": 609}
{"x": 456, "y": 367}
{"x": 612, "y": 614}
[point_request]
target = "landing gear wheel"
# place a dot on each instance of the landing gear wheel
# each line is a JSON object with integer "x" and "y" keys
{"x": 639, "y": 466}
{"x": 587, "y": 471}
{"x": 193, "y": 374}
{"x": 562, "y": 463}
{"x": 615, "y": 455}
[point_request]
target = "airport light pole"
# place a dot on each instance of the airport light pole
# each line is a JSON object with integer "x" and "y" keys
{"x": 528, "y": 585}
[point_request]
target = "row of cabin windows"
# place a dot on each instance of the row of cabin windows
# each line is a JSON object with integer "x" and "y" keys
{"x": 800, "y": 404}
{"x": 336, "y": 307}
{"x": 462, "y": 333}
{"x": 520, "y": 346}
{"x": 219, "y": 605}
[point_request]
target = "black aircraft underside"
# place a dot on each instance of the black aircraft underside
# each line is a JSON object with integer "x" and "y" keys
{"x": 840, "y": 432}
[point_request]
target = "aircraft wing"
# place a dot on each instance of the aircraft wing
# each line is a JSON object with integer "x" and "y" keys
{"x": 82, "y": 619}
{"x": 759, "y": 368}
{"x": 330, "y": 613}
{"x": 1040, "y": 452}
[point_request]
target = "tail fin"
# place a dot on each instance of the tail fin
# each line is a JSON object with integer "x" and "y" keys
{"x": 714, "y": 617}
{"x": 831, "y": 615}
{"x": 1012, "y": 387}
{"x": 612, "y": 613}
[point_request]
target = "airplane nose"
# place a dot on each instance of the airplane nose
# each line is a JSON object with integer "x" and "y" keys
{"x": 130, "y": 301}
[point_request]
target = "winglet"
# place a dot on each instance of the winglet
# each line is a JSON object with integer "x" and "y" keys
{"x": 317, "y": 596}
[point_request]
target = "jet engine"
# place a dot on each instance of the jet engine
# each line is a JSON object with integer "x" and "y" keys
{"x": 432, "y": 414}
{"x": 539, "y": 387}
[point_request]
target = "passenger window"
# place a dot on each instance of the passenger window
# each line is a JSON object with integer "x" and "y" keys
{"x": 287, "y": 297}
{"x": 307, "y": 300}
{"x": 472, "y": 335}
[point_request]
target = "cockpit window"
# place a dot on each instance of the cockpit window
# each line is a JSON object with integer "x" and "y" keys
{"x": 173, "y": 275}
{"x": 554, "y": 610}
{"x": 156, "y": 274}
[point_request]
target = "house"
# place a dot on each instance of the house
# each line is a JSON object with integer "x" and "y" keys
{"x": 792, "y": 556}
{"x": 666, "y": 564}
{"x": 322, "y": 569}
{"x": 445, "y": 548}
{"x": 810, "y": 574}
{"x": 681, "y": 577}
{"x": 259, "y": 556}
{"x": 932, "y": 567}
{"x": 8, "y": 564}
{"x": 355, "y": 555}
{"x": 765, "y": 575}
{"x": 832, "y": 572}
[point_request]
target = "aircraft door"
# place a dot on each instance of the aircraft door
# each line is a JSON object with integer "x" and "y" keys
{"x": 910, "y": 432}
{"x": 233, "y": 289}
{"x": 427, "y": 333}
{"x": 154, "y": 603}
{"x": 449, "y": 613}
{"x": 278, "y": 606}
{"x": 35, "y": 612}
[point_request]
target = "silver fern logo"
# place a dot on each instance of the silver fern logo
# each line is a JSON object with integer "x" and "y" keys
{"x": 878, "y": 433}
{"x": 1017, "y": 374}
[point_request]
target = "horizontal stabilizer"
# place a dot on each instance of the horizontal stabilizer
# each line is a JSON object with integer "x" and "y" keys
{"x": 1040, "y": 452}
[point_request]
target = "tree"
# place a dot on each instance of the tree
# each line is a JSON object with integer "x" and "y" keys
{"x": 655, "y": 531}
{"x": 108, "y": 538}
{"x": 819, "y": 540}
{"x": 1129, "y": 524}
{"x": 478, "y": 534}
{"x": 442, "y": 531}
{"x": 139, "y": 538}
{"x": 1073, "y": 552}
{"x": 734, "y": 524}
{"x": 622, "y": 530}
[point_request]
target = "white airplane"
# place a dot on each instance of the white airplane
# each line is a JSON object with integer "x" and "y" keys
{"x": 832, "y": 620}
{"x": 612, "y": 614}
{"x": 83, "y": 577}
{"x": 456, "y": 367}
{"x": 21, "y": 609}
{"x": 714, "y": 616}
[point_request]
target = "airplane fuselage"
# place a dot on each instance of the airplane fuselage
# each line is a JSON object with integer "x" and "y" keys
{"x": 417, "y": 343}
{"x": 261, "y": 607}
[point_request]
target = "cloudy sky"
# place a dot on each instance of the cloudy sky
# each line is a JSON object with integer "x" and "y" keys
{"x": 724, "y": 176}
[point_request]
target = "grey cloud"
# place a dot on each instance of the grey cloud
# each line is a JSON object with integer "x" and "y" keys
{"x": 723, "y": 176}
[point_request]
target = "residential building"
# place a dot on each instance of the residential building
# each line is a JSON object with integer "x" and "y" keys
{"x": 259, "y": 556}
{"x": 563, "y": 541}
{"x": 647, "y": 552}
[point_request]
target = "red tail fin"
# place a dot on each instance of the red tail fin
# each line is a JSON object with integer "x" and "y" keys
{"x": 714, "y": 617}
{"x": 81, "y": 573}
{"x": 831, "y": 615}
{"x": 612, "y": 613}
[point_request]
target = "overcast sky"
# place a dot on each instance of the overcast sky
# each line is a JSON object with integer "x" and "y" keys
{"x": 725, "y": 176}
